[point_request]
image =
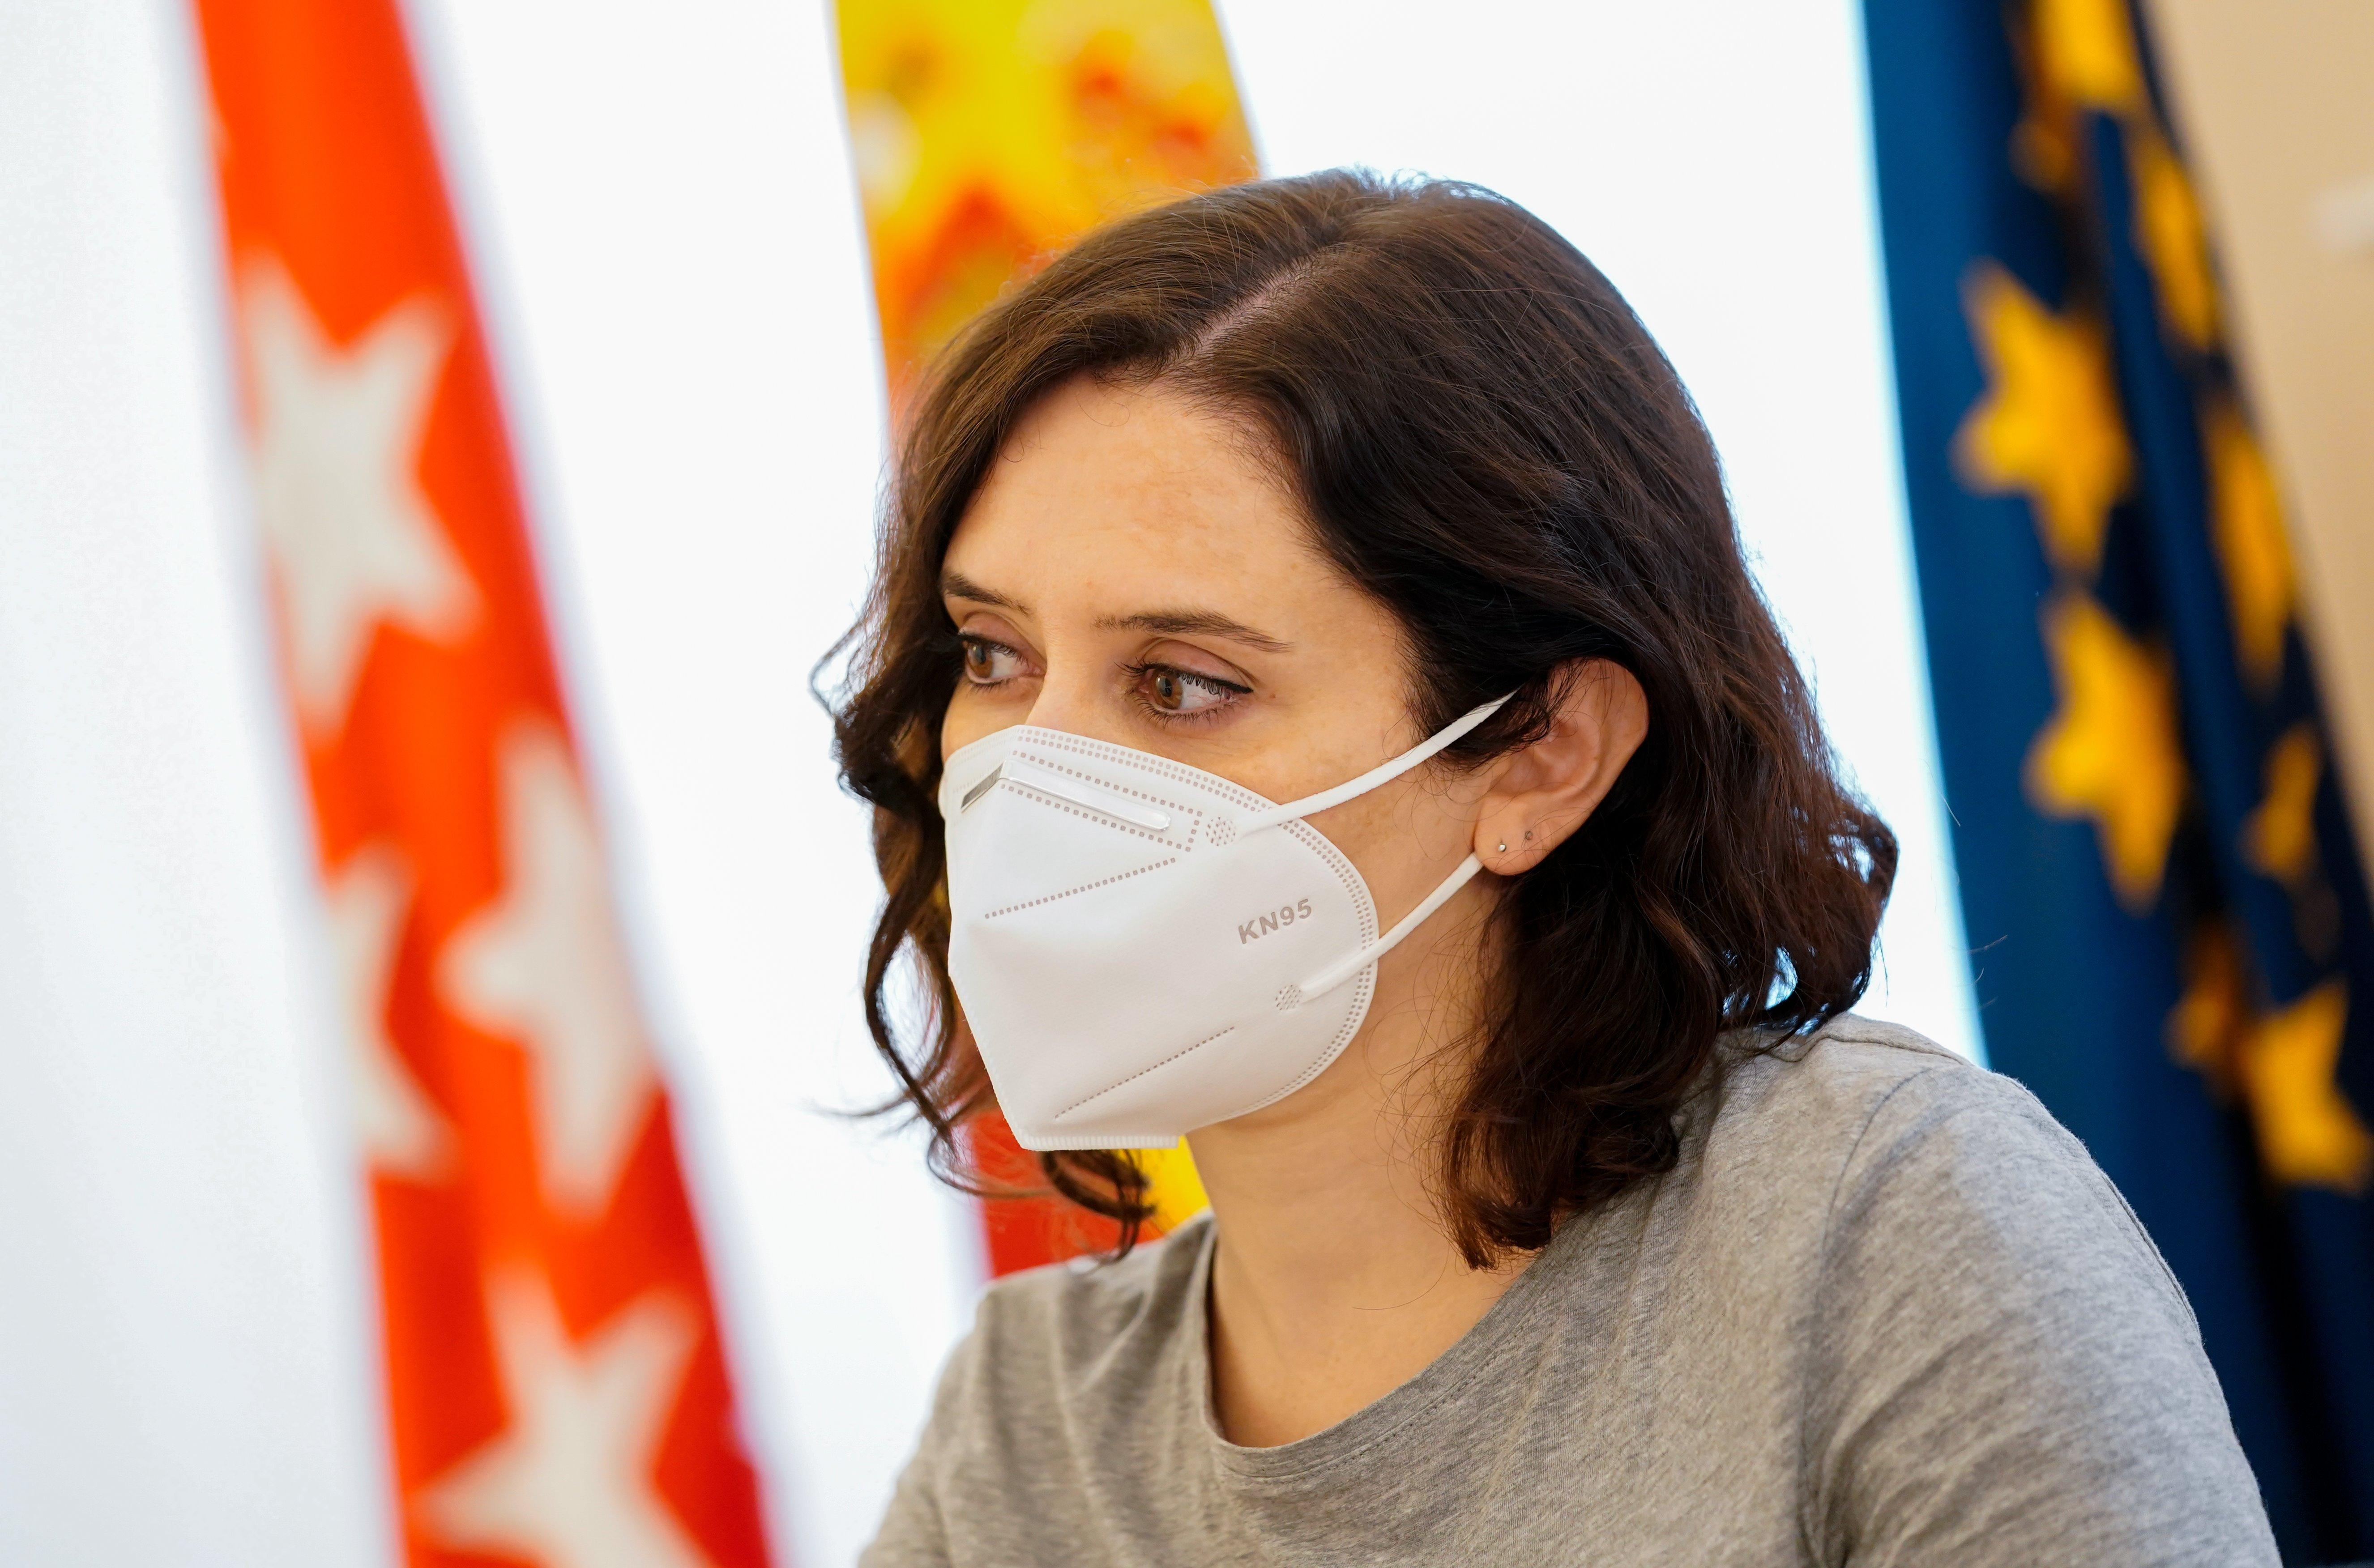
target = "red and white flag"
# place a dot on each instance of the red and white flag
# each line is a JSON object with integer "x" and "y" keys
{"x": 557, "y": 1391}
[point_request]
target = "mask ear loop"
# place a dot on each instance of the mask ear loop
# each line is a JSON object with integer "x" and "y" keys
{"x": 1352, "y": 963}
{"x": 1383, "y": 773}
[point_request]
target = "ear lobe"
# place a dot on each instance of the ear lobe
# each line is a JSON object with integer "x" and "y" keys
{"x": 1545, "y": 791}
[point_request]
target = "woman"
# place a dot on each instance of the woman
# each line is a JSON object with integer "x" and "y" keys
{"x": 1315, "y": 703}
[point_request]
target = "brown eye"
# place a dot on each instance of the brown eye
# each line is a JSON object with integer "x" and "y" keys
{"x": 990, "y": 663}
{"x": 1182, "y": 692}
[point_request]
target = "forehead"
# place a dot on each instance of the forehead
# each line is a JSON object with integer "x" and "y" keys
{"x": 1136, "y": 492}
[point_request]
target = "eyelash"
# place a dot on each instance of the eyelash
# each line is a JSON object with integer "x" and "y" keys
{"x": 1141, "y": 672}
{"x": 966, "y": 642}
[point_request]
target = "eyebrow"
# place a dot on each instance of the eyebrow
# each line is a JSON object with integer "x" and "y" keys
{"x": 1163, "y": 623}
{"x": 955, "y": 585}
{"x": 1194, "y": 623}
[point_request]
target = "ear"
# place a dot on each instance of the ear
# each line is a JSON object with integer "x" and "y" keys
{"x": 1540, "y": 795}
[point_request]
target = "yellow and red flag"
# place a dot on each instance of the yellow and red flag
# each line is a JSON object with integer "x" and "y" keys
{"x": 557, "y": 1391}
{"x": 988, "y": 134}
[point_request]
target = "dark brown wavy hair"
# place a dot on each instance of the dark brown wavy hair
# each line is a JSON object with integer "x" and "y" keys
{"x": 1486, "y": 439}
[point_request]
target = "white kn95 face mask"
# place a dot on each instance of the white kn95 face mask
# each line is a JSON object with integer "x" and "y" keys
{"x": 1142, "y": 948}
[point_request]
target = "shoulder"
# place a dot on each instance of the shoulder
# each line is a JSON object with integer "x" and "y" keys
{"x": 1869, "y": 1134}
{"x": 1997, "y": 1364}
{"x": 1858, "y": 1092}
{"x": 1043, "y": 1332}
{"x": 1062, "y": 1363}
{"x": 1090, "y": 1296}
{"x": 1904, "y": 1172}
{"x": 1842, "y": 1074}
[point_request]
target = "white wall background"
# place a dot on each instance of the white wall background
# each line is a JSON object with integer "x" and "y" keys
{"x": 185, "y": 1345}
{"x": 669, "y": 255}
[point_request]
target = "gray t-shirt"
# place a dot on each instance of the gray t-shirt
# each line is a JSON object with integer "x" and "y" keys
{"x": 1886, "y": 1311}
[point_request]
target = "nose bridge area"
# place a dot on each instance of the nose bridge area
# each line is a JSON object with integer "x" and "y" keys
{"x": 1075, "y": 697}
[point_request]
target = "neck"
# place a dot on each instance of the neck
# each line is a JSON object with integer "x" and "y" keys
{"x": 1335, "y": 1279}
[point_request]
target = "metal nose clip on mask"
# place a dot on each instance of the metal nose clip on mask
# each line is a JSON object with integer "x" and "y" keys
{"x": 1142, "y": 948}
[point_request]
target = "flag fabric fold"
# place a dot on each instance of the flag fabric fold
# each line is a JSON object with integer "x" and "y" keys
{"x": 2167, "y": 906}
{"x": 556, "y": 1384}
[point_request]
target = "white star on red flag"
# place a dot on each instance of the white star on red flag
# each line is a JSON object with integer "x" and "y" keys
{"x": 511, "y": 1115}
{"x": 568, "y": 1482}
{"x": 544, "y": 965}
{"x": 402, "y": 1133}
{"x": 354, "y": 542}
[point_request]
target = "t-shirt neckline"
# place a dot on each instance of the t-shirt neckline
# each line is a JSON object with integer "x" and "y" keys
{"x": 1493, "y": 1336}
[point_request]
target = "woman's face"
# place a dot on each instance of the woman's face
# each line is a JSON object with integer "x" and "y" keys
{"x": 1132, "y": 572}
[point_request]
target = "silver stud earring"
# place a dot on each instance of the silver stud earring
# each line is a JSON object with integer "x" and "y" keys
{"x": 1504, "y": 848}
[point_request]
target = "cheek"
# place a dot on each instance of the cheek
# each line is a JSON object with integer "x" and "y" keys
{"x": 1370, "y": 829}
{"x": 1406, "y": 837}
{"x": 969, "y": 719}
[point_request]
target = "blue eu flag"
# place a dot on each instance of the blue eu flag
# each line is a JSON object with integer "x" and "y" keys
{"x": 2167, "y": 912}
